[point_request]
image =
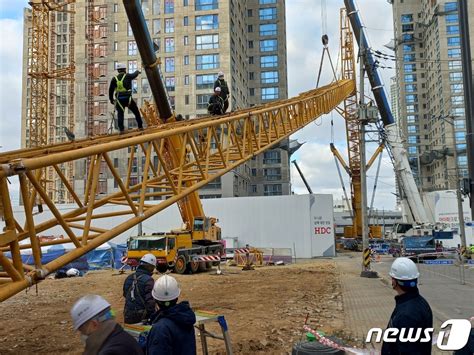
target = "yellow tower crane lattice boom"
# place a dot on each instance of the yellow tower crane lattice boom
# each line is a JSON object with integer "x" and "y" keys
{"x": 208, "y": 148}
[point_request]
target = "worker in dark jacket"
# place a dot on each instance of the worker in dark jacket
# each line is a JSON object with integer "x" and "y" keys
{"x": 172, "y": 331}
{"x": 216, "y": 105}
{"x": 137, "y": 288}
{"x": 411, "y": 310}
{"x": 120, "y": 95}
{"x": 221, "y": 83}
{"x": 102, "y": 335}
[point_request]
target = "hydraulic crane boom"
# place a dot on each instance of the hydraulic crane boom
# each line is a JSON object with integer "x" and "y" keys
{"x": 402, "y": 166}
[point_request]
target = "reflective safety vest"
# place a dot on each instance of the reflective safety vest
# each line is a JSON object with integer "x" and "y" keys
{"x": 121, "y": 91}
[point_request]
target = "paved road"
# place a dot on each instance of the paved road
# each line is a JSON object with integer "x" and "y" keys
{"x": 440, "y": 285}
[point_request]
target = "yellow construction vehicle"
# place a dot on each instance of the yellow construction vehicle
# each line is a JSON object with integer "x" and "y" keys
{"x": 181, "y": 250}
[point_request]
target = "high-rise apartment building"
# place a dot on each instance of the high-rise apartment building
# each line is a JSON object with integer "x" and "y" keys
{"x": 430, "y": 89}
{"x": 196, "y": 39}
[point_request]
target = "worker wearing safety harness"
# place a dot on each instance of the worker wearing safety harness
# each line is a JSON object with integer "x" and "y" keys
{"x": 139, "y": 302}
{"x": 411, "y": 313}
{"x": 120, "y": 95}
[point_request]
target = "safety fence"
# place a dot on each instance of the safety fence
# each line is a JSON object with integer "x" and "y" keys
{"x": 447, "y": 265}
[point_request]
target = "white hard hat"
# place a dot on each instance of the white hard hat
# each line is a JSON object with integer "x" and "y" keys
{"x": 87, "y": 308}
{"x": 121, "y": 66}
{"x": 149, "y": 259}
{"x": 404, "y": 269}
{"x": 217, "y": 89}
{"x": 220, "y": 74}
{"x": 166, "y": 288}
{"x": 73, "y": 272}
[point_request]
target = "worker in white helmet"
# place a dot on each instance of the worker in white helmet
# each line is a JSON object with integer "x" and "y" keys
{"x": 215, "y": 105}
{"x": 93, "y": 318}
{"x": 139, "y": 303}
{"x": 120, "y": 95}
{"x": 224, "y": 93}
{"x": 412, "y": 311}
{"x": 172, "y": 329}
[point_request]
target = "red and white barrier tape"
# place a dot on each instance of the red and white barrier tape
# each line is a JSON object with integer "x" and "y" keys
{"x": 241, "y": 251}
{"x": 328, "y": 342}
{"x": 207, "y": 258}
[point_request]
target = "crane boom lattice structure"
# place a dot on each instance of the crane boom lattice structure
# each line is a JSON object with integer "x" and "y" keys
{"x": 209, "y": 148}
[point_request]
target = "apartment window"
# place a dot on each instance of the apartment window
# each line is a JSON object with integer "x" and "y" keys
{"x": 251, "y": 60}
{"x": 170, "y": 83}
{"x": 412, "y": 139}
{"x": 251, "y": 75}
{"x": 272, "y": 157}
{"x": 264, "y": 2}
{"x": 457, "y": 100}
{"x": 129, "y": 30}
{"x": 254, "y": 189}
{"x": 250, "y": 28}
{"x": 145, "y": 86}
{"x": 407, "y": 28}
{"x": 411, "y": 98}
{"x": 453, "y": 41}
{"x": 115, "y": 46}
{"x": 408, "y": 47}
{"x": 457, "y": 88}
{"x": 169, "y": 64}
{"x": 186, "y": 80}
{"x": 451, "y": 18}
{"x": 409, "y": 67}
{"x": 408, "y": 37}
{"x": 412, "y": 108}
{"x": 169, "y": 6}
{"x": 455, "y": 64}
{"x": 412, "y": 129}
{"x": 267, "y": 13}
{"x": 410, "y": 88}
{"x": 156, "y": 7}
{"x": 207, "y": 61}
{"x": 450, "y": 6}
{"x": 252, "y": 91}
{"x": 185, "y": 21}
{"x": 462, "y": 160}
{"x": 145, "y": 7}
{"x": 207, "y": 42}
{"x": 452, "y": 30}
{"x": 250, "y": 44}
{"x": 206, "y": 22}
{"x": 206, "y": 5}
{"x": 454, "y": 52}
{"x": 116, "y": 7}
{"x": 249, "y": 13}
{"x": 186, "y": 40}
{"x": 412, "y": 118}
{"x": 409, "y": 78}
{"x": 205, "y": 81}
{"x": 268, "y": 45}
{"x": 413, "y": 150}
{"x": 202, "y": 101}
{"x": 254, "y": 172}
{"x": 269, "y": 77}
{"x": 169, "y": 25}
{"x": 185, "y": 2}
{"x": 406, "y": 18}
{"x": 268, "y": 29}
{"x": 132, "y": 48}
{"x": 186, "y": 60}
{"x": 273, "y": 189}
{"x": 156, "y": 27}
{"x": 132, "y": 66}
{"x": 116, "y": 28}
{"x": 270, "y": 93}
{"x": 169, "y": 45}
{"x": 455, "y": 76}
{"x": 408, "y": 57}
{"x": 272, "y": 174}
{"x": 186, "y": 99}
{"x": 268, "y": 61}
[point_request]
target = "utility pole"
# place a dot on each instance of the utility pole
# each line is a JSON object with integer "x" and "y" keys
{"x": 366, "y": 272}
{"x": 468, "y": 92}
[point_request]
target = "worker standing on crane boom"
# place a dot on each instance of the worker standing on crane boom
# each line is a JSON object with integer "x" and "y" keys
{"x": 120, "y": 95}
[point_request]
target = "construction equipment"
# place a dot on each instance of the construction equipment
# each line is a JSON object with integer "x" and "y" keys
{"x": 393, "y": 141}
{"x": 183, "y": 249}
{"x": 302, "y": 176}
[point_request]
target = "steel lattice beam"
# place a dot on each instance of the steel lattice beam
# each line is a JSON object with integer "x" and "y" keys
{"x": 209, "y": 148}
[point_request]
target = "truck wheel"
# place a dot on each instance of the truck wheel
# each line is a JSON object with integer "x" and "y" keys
{"x": 180, "y": 265}
{"x": 193, "y": 267}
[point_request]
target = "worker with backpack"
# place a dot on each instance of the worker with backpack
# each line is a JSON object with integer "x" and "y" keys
{"x": 137, "y": 290}
{"x": 120, "y": 95}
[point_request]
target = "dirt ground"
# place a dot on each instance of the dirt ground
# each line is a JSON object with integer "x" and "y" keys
{"x": 265, "y": 308}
